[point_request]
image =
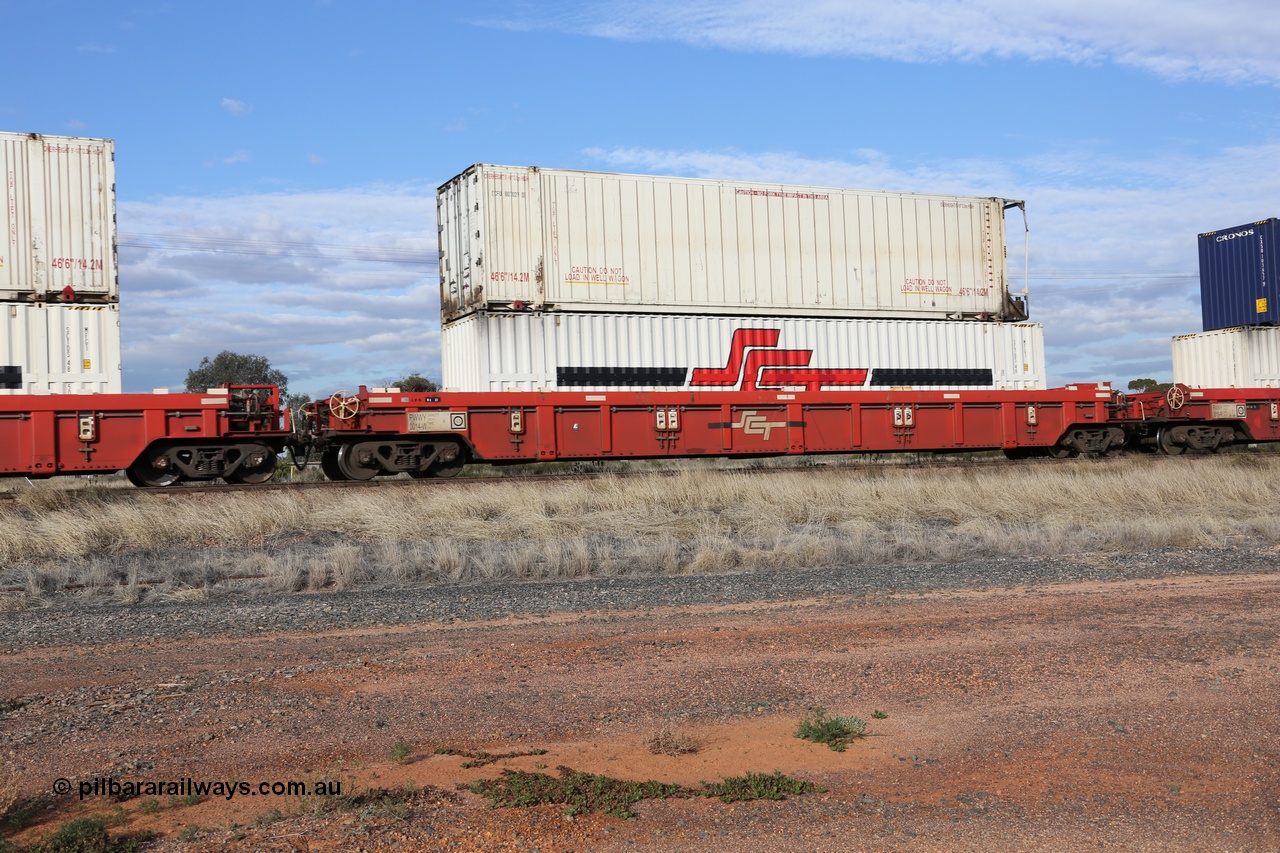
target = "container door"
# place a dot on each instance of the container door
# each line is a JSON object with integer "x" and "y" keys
{"x": 18, "y": 275}
{"x": 455, "y": 206}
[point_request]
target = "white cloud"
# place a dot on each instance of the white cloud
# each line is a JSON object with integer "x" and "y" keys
{"x": 335, "y": 288}
{"x": 1232, "y": 40}
{"x": 235, "y": 107}
{"x": 240, "y": 156}
{"x": 96, "y": 47}
{"x": 75, "y": 124}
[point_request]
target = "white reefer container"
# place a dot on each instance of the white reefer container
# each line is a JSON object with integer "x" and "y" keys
{"x": 591, "y": 241}
{"x": 59, "y": 217}
{"x": 579, "y": 351}
{"x": 48, "y": 348}
{"x": 1241, "y": 357}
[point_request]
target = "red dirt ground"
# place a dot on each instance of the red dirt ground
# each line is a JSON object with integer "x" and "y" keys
{"x": 1136, "y": 715}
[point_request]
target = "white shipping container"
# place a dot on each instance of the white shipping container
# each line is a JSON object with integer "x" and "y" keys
{"x": 597, "y": 352}
{"x": 59, "y": 217}
{"x": 59, "y": 349}
{"x": 591, "y": 241}
{"x": 1241, "y": 357}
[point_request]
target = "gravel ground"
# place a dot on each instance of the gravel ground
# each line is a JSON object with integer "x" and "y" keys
{"x": 231, "y": 614}
{"x": 1108, "y": 701}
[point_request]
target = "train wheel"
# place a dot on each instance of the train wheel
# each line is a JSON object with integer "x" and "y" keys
{"x": 144, "y": 475}
{"x": 1165, "y": 440}
{"x": 450, "y": 462}
{"x": 254, "y": 476}
{"x": 351, "y": 466}
{"x": 449, "y": 469}
{"x": 329, "y": 465}
{"x": 1060, "y": 452}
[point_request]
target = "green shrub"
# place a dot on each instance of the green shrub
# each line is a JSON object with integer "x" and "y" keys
{"x": 587, "y": 792}
{"x": 835, "y": 732}
{"x": 88, "y": 835}
{"x": 757, "y": 786}
{"x": 581, "y": 792}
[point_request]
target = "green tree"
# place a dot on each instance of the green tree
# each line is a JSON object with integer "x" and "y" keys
{"x": 297, "y": 401}
{"x": 232, "y": 368}
{"x": 414, "y": 382}
{"x": 1144, "y": 385}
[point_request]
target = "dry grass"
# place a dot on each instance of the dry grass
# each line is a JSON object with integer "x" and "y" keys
{"x": 670, "y": 740}
{"x": 697, "y": 521}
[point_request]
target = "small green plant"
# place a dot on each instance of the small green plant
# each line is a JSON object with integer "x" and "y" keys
{"x": 149, "y": 806}
{"x": 89, "y": 835}
{"x": 400, "y": 752}
{"x": 185, "y": 800}
{"x": 879, "y": 715}
{"x": 20, "y": 816}
{"x": 270, "y": 816}
{"x": 835, "y": 732}
{"x": 191, "y": 832}
{"x": 757, "y": 786}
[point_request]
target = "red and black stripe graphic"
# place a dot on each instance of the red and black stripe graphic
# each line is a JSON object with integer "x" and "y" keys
{"x": 10, "y": 377}
{"x": 755, "y": 363}
{"x": 918, "y": 376}
{"x": 622, "y": 377}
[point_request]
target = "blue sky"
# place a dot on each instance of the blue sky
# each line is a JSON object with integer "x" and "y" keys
{"x": 276, "y": 162}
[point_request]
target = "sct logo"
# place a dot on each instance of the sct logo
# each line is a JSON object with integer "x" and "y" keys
{"x": 1222, "y": 238}
{"x": 754, "y": 424}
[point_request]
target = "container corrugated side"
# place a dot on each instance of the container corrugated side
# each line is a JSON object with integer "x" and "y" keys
{"x": 593, "y": 241}
{"x": 578, "y": 351}
{"x": 1239, "y": 275}
{"x": 1243, "y": 357}
{"x": 59, "y": 349}
{"x": 59, "y": 217}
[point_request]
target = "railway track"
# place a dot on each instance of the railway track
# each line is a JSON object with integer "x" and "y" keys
{"x": 895, "y": 462}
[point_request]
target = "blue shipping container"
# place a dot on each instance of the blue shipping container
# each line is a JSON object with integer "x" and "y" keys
{"x": 1238, "y": 276}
